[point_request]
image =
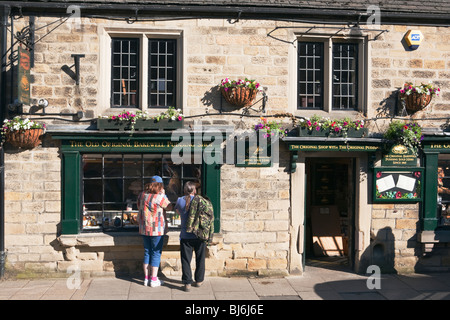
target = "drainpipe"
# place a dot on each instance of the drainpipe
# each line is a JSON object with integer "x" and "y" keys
{"x": 4, "y": 13}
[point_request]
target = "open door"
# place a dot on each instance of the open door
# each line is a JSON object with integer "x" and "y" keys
{"x": 330, "y": 210}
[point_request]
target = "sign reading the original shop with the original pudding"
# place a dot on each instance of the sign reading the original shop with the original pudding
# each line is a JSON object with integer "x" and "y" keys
{"x": 399, "y": 155}
{"x": 332, "y": 147}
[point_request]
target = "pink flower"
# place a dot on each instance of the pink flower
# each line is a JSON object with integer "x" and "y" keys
{"x": 318, "y": 128}
{"x": 180, "y": 118}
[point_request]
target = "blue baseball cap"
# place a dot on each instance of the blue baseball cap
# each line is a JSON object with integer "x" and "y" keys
{"x": 156, "y": 179}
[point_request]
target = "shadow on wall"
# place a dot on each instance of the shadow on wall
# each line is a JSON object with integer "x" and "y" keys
{"x": 381, "y": 252}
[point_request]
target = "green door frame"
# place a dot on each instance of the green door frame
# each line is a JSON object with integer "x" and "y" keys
{"x": 433, "y": 146}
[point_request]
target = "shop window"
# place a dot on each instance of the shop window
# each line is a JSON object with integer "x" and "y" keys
{"x": 443, "y": 199}
{"x": 111, "y": 184}
{"x": 330, "y": 75}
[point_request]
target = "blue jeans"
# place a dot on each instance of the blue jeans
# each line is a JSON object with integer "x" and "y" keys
{"x": 152, "y": 249}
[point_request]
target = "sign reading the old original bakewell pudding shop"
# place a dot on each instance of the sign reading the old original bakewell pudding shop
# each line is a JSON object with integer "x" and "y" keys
{"x": 399, "y": 155}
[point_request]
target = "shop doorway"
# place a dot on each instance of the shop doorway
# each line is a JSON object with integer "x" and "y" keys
{"x": 330, "y": 212}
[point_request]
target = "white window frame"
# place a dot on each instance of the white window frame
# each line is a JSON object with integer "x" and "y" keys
{"x": 106, "y": 34}
{"x": 328, "y": 74}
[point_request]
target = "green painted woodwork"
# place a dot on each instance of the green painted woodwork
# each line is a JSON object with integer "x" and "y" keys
{"x": 211, "y": 181}
{"x": 72, "y": 146}
{"x": 429, "y": 219}
{"x": 71, "y": 197}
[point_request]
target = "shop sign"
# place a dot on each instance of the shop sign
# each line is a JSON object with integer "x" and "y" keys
{"x": 256, "y": 153}
{"x": 397, "y": 184}
{"x": 127, "y": 145}
{"x": 320, "y": 147}
{"x": 23, "y": 76}
{"x": 399, "y": 155}
{"x": 439, "y": 147}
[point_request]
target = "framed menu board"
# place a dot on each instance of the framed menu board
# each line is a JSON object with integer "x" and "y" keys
{"x": 397, "y": 184}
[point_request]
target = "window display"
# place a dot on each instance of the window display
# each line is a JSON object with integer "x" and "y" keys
{"x": 111, "y": 184}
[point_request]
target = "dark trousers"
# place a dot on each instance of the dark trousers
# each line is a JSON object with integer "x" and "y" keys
{"x": 187, "y": 246}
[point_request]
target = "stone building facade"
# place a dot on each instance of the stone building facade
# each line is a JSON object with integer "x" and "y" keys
{"x": 262, "y": 220}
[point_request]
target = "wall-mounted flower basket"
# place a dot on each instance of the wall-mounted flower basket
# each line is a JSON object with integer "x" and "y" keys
{"x": 22, "y": 133}
{"x": 416, "y": 102}
{"x": 25, "y": 139}
{"x": 418, "y": 97}
{"x": 240, "y": 93}
{"x": 239, "y": 97}
{"x": 139, "y": 125}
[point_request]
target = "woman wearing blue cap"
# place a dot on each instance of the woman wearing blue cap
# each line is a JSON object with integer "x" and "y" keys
{"x": 151, "y": 204}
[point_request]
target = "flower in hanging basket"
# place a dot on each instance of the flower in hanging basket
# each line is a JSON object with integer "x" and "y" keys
{"x": 408, "y": 134}
{"x": 418, "y": 97}
{"x": 239, "y": 92}
{"x": 270, "y": 128}
{"x": 23, "y": 133}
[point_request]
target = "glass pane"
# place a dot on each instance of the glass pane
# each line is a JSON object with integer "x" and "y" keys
{"x": 152, "y": 166}
{"x": 113, "y": 166}
{"x": 133, "y": 187}
{"x": 92, "y": 165}
{"x": 93, "y": 190}
{"x": 132, "y": 165}
{"x": 113, "y": 190}
{"x": 116, "y": 60}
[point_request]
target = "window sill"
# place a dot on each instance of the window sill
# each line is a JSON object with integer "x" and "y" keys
{"x": 437, "y": 236}
{"x": 110, "y": 239}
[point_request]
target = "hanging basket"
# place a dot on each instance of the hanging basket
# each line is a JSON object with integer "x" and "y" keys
{"x": 416, "y": 101}
{"x": 26, "y": 139}
{"x": 239, "y": 96}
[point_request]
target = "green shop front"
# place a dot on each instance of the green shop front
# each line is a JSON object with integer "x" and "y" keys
{"x": 350, "y": 201}
{"x": 435, "y": 223}
{"x": 363, "y": 202}
{"x": 102, "y": 173}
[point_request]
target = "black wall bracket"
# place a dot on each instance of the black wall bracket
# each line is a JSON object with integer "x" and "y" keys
{"x": 74, "y": 75}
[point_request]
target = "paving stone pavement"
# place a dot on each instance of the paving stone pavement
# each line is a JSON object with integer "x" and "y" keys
{"x": 315, "y": 284}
